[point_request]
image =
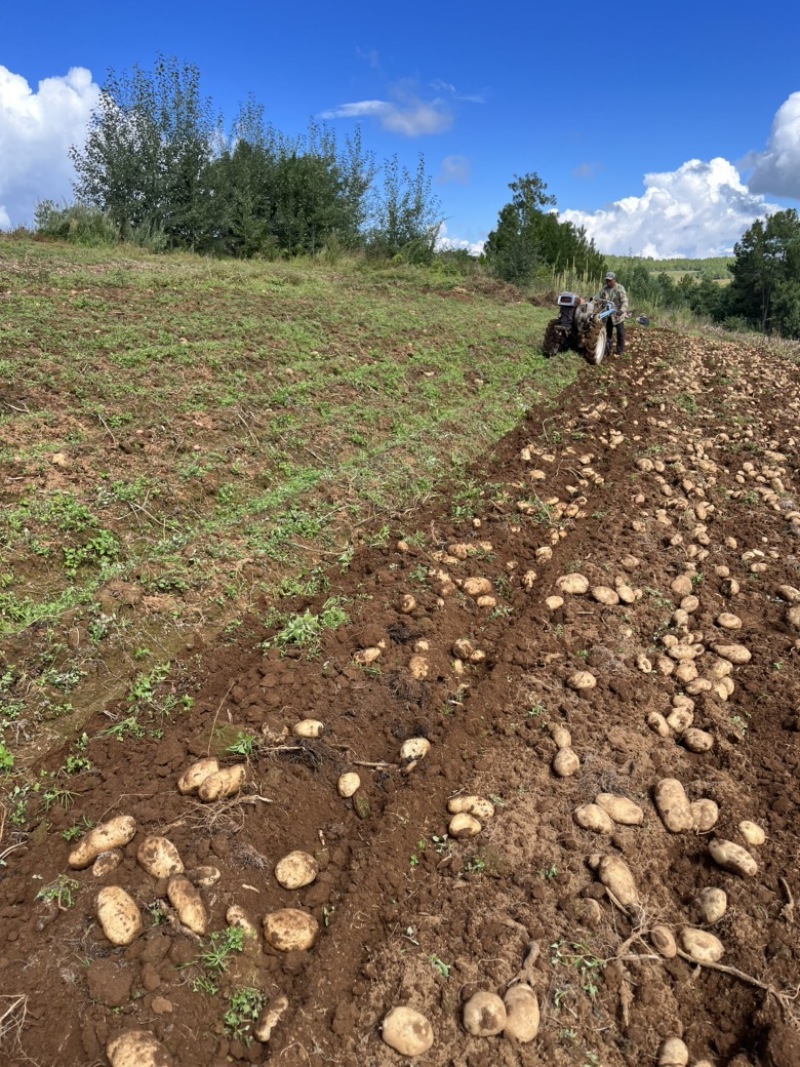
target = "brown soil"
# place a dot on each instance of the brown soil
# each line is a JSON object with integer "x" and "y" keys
{"x": 407, "y": 915}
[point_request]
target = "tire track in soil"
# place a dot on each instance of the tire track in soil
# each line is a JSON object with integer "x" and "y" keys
{"x": 395, "y": 916}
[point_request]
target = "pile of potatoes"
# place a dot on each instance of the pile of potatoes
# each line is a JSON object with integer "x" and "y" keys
{"x": 467, "y": 813}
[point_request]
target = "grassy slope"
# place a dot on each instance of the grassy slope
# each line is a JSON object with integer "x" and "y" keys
{"x": 179, "y": 435}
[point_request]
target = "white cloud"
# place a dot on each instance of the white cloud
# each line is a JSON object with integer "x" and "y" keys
{"x": 700, "y": 209}
{"x": 776, "y": 170}
{"x": 37, "y": 130}
{"x": 454, "y": 169}
{"x": 445, "y": 243}
{"x": 410, "y": 116}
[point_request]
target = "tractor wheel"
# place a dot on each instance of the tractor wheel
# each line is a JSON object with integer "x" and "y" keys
{"x": 595, "y": 343}
{"x": 551, "y": 345}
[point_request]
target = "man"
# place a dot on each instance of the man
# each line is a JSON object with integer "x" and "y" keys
{"x": 615, "y": 294}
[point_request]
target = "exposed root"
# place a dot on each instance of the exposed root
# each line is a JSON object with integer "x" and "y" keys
{"x": 14, "y": 1010}
{"x": 786, "y": 1000}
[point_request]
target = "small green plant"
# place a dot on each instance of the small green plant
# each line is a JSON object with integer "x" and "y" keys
{"x": 548, "y": 873}
{"x": 77, "y": 764}
{"x": 6, "y": 759}
{"x": 243, "y": 745}
{"x": 128, "y": 727}
{"x": 222, "y": 944}
{"x": 77, "y": 829}
{"x": 61, "y": 891}
{"x": 475, "y": 865}
{"x": 439, "y": 965}
{"x": 244, "y": 1008}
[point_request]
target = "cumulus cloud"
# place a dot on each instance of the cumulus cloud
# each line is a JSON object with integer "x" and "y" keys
{"x": 776, "y": 170}
{"x": 701, "y": 209}
{"x": 37, "y": 130}
{"x": 445, "y": 243}
{"x": 408, "y": 116}
{"x": 454, "y": 169}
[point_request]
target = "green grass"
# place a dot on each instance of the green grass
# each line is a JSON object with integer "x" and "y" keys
{"x": 203, "y": 432}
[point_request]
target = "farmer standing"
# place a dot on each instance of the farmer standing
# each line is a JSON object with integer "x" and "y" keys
{"x": 615, "y": 294}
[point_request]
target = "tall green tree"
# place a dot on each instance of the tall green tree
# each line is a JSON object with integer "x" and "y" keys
{"x": 145, "y": 158}
{"x": 765, "y": 289}
{"x": 529, "y": 237}
{"x": 406, "y": 216}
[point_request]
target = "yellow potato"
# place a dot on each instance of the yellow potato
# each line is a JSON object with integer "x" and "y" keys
{"x": 119, "y": 915}
{"x": 616, "y": 876}
{"x": 224, "y": 783}
{"x": 478, "y": 806}
{"x": 116, "y": 833}
{"x": 484, "y": 1014}
{"x": 348, "y": 784}
{"x": 308, "y": 728}
{"x": 576, "y": 584}
{"x": 621, "y": 809}
{"x": 673, "y": 805}
{"x": 705, "y": 814}
{"x": 296, "y": 870}
{"x": 192, "y": 777}
{"x": 732, "y": 857}
{"x": 290, "y": 930}
{"x": 407, "y": 1031}
{"x": 566, "y": 763}
{"x": 137, "y": 1048}
{"x": 270, "y": 1017}
{"x": 701, "y": 945}
{"x": 415, "y": 748}
{"x": 159, "y": 857}
{"x": 663, "y": 942}
{"x": 188, "y": 903}
{"x": 522, "y": 1013}
{"x": 463, "y": 826}
{"x": 673, "y": 1053}
{"x": 592, "y": 817}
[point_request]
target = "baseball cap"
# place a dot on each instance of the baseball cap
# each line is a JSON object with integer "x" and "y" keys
{"x": 611, "y": 276}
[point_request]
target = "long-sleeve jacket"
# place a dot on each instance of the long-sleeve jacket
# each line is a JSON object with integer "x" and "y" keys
{"x": 618, "y": 297}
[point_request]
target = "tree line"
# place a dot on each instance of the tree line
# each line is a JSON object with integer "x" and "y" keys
{"x": 158, "y": 168}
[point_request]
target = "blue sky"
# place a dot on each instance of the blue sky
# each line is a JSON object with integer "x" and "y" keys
{"x": 664, "y": 133}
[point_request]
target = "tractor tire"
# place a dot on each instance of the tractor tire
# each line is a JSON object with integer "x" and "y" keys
{"x": 595, "y": 343}
{"x": 551, "y": 345}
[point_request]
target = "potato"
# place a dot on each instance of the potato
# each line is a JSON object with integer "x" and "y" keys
{"x": 472, "y": 805}
{"x": 188, "y": 903}
{"x": 712, "y": 904}
{"x": 522, "y": 1013}
{"x": 553, "y": 603}
{"x": 463, "y": 826}
{"x": 673, "y": 1053}
{"x": 348, "y": 784}
{"x": 680, "y": 719}
{"x": 728, "y": 621}
{"x": 575, "y": 584}
{"x": 581, "y": 681}
{"x": 663, "y": 941}
{"x": 407, "y": 1031}
{"x": 566, "y": 763}
{"x": 223, "y": 783}
{"x": 658, "y": 724}
{"x": 290, "y": 930}
{"x": 603, "y": 594}
{"x": 621, "y": 809}
{"x": 415, "y": 748}
{"x": 673, "y": 805}
{"x": 561, "y": 737}
{"x": 592, "y": 817}
{"x": 119, "y": 915}
{"x": 116, "y": 833}
{"x": 159, "y": 857}
{"x": 705, "y": 814}
{"x": 296, "y": 870}
{"x": 106, "y": 862}
{"x": 204, "y": 876}
{"x": 701, "y": 945}
{"x": 735, "y": 653}
{"x": 484, "y": 1014}
{"x": 137, "y": 1048}
{"x": 192, "y": 777}
{"x": 477, "y": 587}
{"x": 752, "y": 833}
{"x": 616, "y": 876}
{"x": 697, "y": 740}
{"x": 733, "y": 858}
{"x": 308, "y": 728}
{"x": 269, "y": 1018}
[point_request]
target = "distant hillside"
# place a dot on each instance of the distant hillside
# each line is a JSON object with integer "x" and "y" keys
{"x": 715, "y": 267}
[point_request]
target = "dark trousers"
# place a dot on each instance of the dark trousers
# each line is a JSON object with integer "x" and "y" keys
{"x": 610, "y": 327}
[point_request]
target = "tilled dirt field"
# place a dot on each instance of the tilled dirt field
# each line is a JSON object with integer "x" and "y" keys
{"x": 668, "y": 482}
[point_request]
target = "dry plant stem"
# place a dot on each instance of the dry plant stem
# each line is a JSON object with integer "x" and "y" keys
{"x": 787, "y": 912}
{"x": 19, "y": 1004}
{"x": 216, "y": 716}
{"x": 784, "y": 999}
